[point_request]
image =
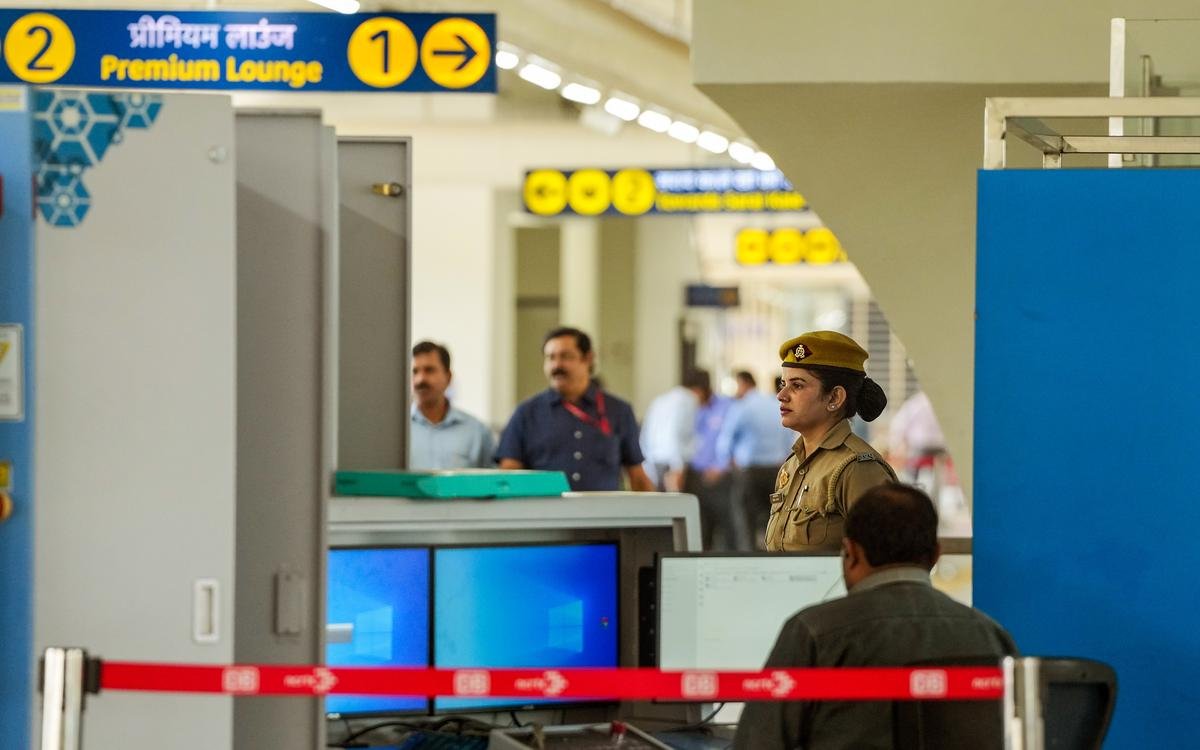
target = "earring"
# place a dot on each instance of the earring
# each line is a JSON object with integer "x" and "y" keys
{"x": 832, "y": 407}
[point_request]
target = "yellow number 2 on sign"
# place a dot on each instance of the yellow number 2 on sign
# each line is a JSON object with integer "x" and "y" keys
{"x": 39, "y": 48}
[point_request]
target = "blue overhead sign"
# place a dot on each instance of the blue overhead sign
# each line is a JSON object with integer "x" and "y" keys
{"x": 405, "y": 52}
{"x": 636, "y": 192}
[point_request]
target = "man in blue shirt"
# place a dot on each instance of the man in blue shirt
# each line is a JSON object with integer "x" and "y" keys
{"x": 707, "y": 477}
{"x": 573, "y": 426}
{"x": 754, "y": 444}
{"x": 440, "y": 436}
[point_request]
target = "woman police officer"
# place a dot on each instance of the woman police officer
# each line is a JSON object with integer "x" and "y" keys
{"x": 824, "y": 385}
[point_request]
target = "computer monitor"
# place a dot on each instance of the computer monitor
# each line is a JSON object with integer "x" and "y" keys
{"x": 520, "y": 606}
{"x": 378, "y": 616}
{"x": 724, "y": 611}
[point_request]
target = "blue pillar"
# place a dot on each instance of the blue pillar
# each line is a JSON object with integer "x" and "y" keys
{"x": 1087, "y": 413}
{"x": 16, "y": 434}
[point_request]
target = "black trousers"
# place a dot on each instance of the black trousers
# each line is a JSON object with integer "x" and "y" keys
{"x": 718, "y": 528}
{"x": 751, "y": 488}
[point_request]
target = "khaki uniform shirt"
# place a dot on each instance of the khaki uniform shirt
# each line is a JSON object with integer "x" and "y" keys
{"x": 814, "y": 492}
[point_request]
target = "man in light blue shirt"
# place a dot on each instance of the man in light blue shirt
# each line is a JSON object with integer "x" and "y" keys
{"x": 754, "y": 444}
{"x": 442, "y": 437}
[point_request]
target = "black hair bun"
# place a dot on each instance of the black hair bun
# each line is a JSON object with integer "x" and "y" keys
{"x": 871, "y": 400}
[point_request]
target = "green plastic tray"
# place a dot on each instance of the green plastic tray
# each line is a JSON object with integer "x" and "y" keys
{"x": 468, "y": 483}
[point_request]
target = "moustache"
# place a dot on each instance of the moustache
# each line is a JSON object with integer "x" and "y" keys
{"x": 421, "y": 387}
{"x": 557, "y": 371}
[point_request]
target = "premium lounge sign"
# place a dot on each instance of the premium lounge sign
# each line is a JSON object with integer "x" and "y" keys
{"x": 637, "y": 192}
{"x": 407, "y": 52}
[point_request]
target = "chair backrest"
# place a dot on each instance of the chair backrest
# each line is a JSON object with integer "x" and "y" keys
{"x": 949, "y": 725}
{"x": 1078, "y": 697}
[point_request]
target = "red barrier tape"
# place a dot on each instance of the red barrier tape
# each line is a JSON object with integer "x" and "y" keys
{"x": 888, "y": 683}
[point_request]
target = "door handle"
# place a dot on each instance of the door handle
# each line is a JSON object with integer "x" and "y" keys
{"x": 388, "y": 189}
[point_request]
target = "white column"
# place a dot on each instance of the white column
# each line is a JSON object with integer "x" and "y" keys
{"x": 579, "y": 275}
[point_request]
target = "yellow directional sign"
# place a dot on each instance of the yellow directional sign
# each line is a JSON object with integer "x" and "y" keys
{"x": 633, "y": 191}
{"x": 546, "y": 192}
{"x": 4, "y": 347}
{"x": 643, "y": 192}
{"x": 382, "y": 52}
{"x": 588, "y": 192}
{"x": 787, "y": 246}
{"x": 39, "y": 48}
{"x": 751, "y": 247}
{"x": 823, "y": 247}
{"x": 456, "y": 53}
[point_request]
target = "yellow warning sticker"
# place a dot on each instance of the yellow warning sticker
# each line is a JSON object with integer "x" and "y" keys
{"x": 12, "y": 99}
{"x": 12, "y": 397}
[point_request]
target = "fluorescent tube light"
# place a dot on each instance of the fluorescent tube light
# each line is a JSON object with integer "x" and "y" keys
{"x": 578, "y": 92}
{"x": 741, "y": 153}
{"x": 539, "y": 76}
{"x": 341, "y": 6}
{"x": 763, "y": 162}
{"x": 682, "y": 131}
{"x": 656, "y": 121}
{"x": 506, "y": 60}
{"x": 714, "y": 142}
{"x": 622, "y": 108}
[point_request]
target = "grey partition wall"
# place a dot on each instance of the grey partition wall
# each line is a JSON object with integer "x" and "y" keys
{"x": 135, "y": 288}
{"x": 374, "y": 180}
{"x": 287, "y": 276}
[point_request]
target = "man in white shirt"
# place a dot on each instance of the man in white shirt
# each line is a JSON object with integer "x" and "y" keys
{"x": 440, "y": 436}
{"x": 669, "y": 431}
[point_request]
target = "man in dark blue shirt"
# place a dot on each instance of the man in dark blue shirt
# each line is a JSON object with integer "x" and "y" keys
{"x": 574, "y": 426}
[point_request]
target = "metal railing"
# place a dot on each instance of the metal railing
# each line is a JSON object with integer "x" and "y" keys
{"x": 1025, "y": 118}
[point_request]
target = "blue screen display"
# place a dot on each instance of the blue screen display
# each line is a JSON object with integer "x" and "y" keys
{"x": 378, "y": 616}
{"x": 527, "y": 606}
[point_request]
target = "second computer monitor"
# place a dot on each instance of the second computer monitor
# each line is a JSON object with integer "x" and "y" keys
{"x": 724, "y": 611}
{"x": 523, "y": 606}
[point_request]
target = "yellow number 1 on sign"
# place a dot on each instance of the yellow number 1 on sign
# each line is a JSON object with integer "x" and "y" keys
{"x": 382, "y": 52}
{"x": 39, "y": 48}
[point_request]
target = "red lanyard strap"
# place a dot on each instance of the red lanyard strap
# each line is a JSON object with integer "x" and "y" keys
{"x": 601, "y": 424}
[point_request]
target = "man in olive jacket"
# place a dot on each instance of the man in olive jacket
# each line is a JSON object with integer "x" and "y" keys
{"x": 892, "y": 616}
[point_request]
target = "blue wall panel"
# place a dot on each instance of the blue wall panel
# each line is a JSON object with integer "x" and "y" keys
{"x": 16, "y": 437}
{"x": 1087, "y": 425}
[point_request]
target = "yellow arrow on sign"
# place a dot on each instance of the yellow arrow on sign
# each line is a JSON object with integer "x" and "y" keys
{"x": 4, "y": 347}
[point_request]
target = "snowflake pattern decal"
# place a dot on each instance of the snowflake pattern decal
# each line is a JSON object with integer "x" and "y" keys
{"x": 73, "y": 131}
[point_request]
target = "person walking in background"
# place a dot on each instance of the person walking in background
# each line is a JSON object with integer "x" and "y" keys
{"x": 707, "y": 477}
{"x": 753, "y": 444}
{"x": 669, "y": 431}
{"x": 441, "y": 436}
{"x": 824, "y": 385}
{"x": 573, "y": 426}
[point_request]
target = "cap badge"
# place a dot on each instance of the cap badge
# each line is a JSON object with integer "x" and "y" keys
{"x": 801, "y": 351}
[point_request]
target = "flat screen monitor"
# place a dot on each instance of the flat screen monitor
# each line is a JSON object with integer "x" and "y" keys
{"x": 724, "y": 611}
{"x": 523, "y": 606}
{"x": 378, "y": 616}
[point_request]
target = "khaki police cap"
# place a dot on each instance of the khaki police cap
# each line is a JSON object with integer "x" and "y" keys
{"x": 823, "y": 348}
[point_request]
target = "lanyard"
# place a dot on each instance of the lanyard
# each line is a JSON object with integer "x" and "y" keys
{"x": 602, "y": 423}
